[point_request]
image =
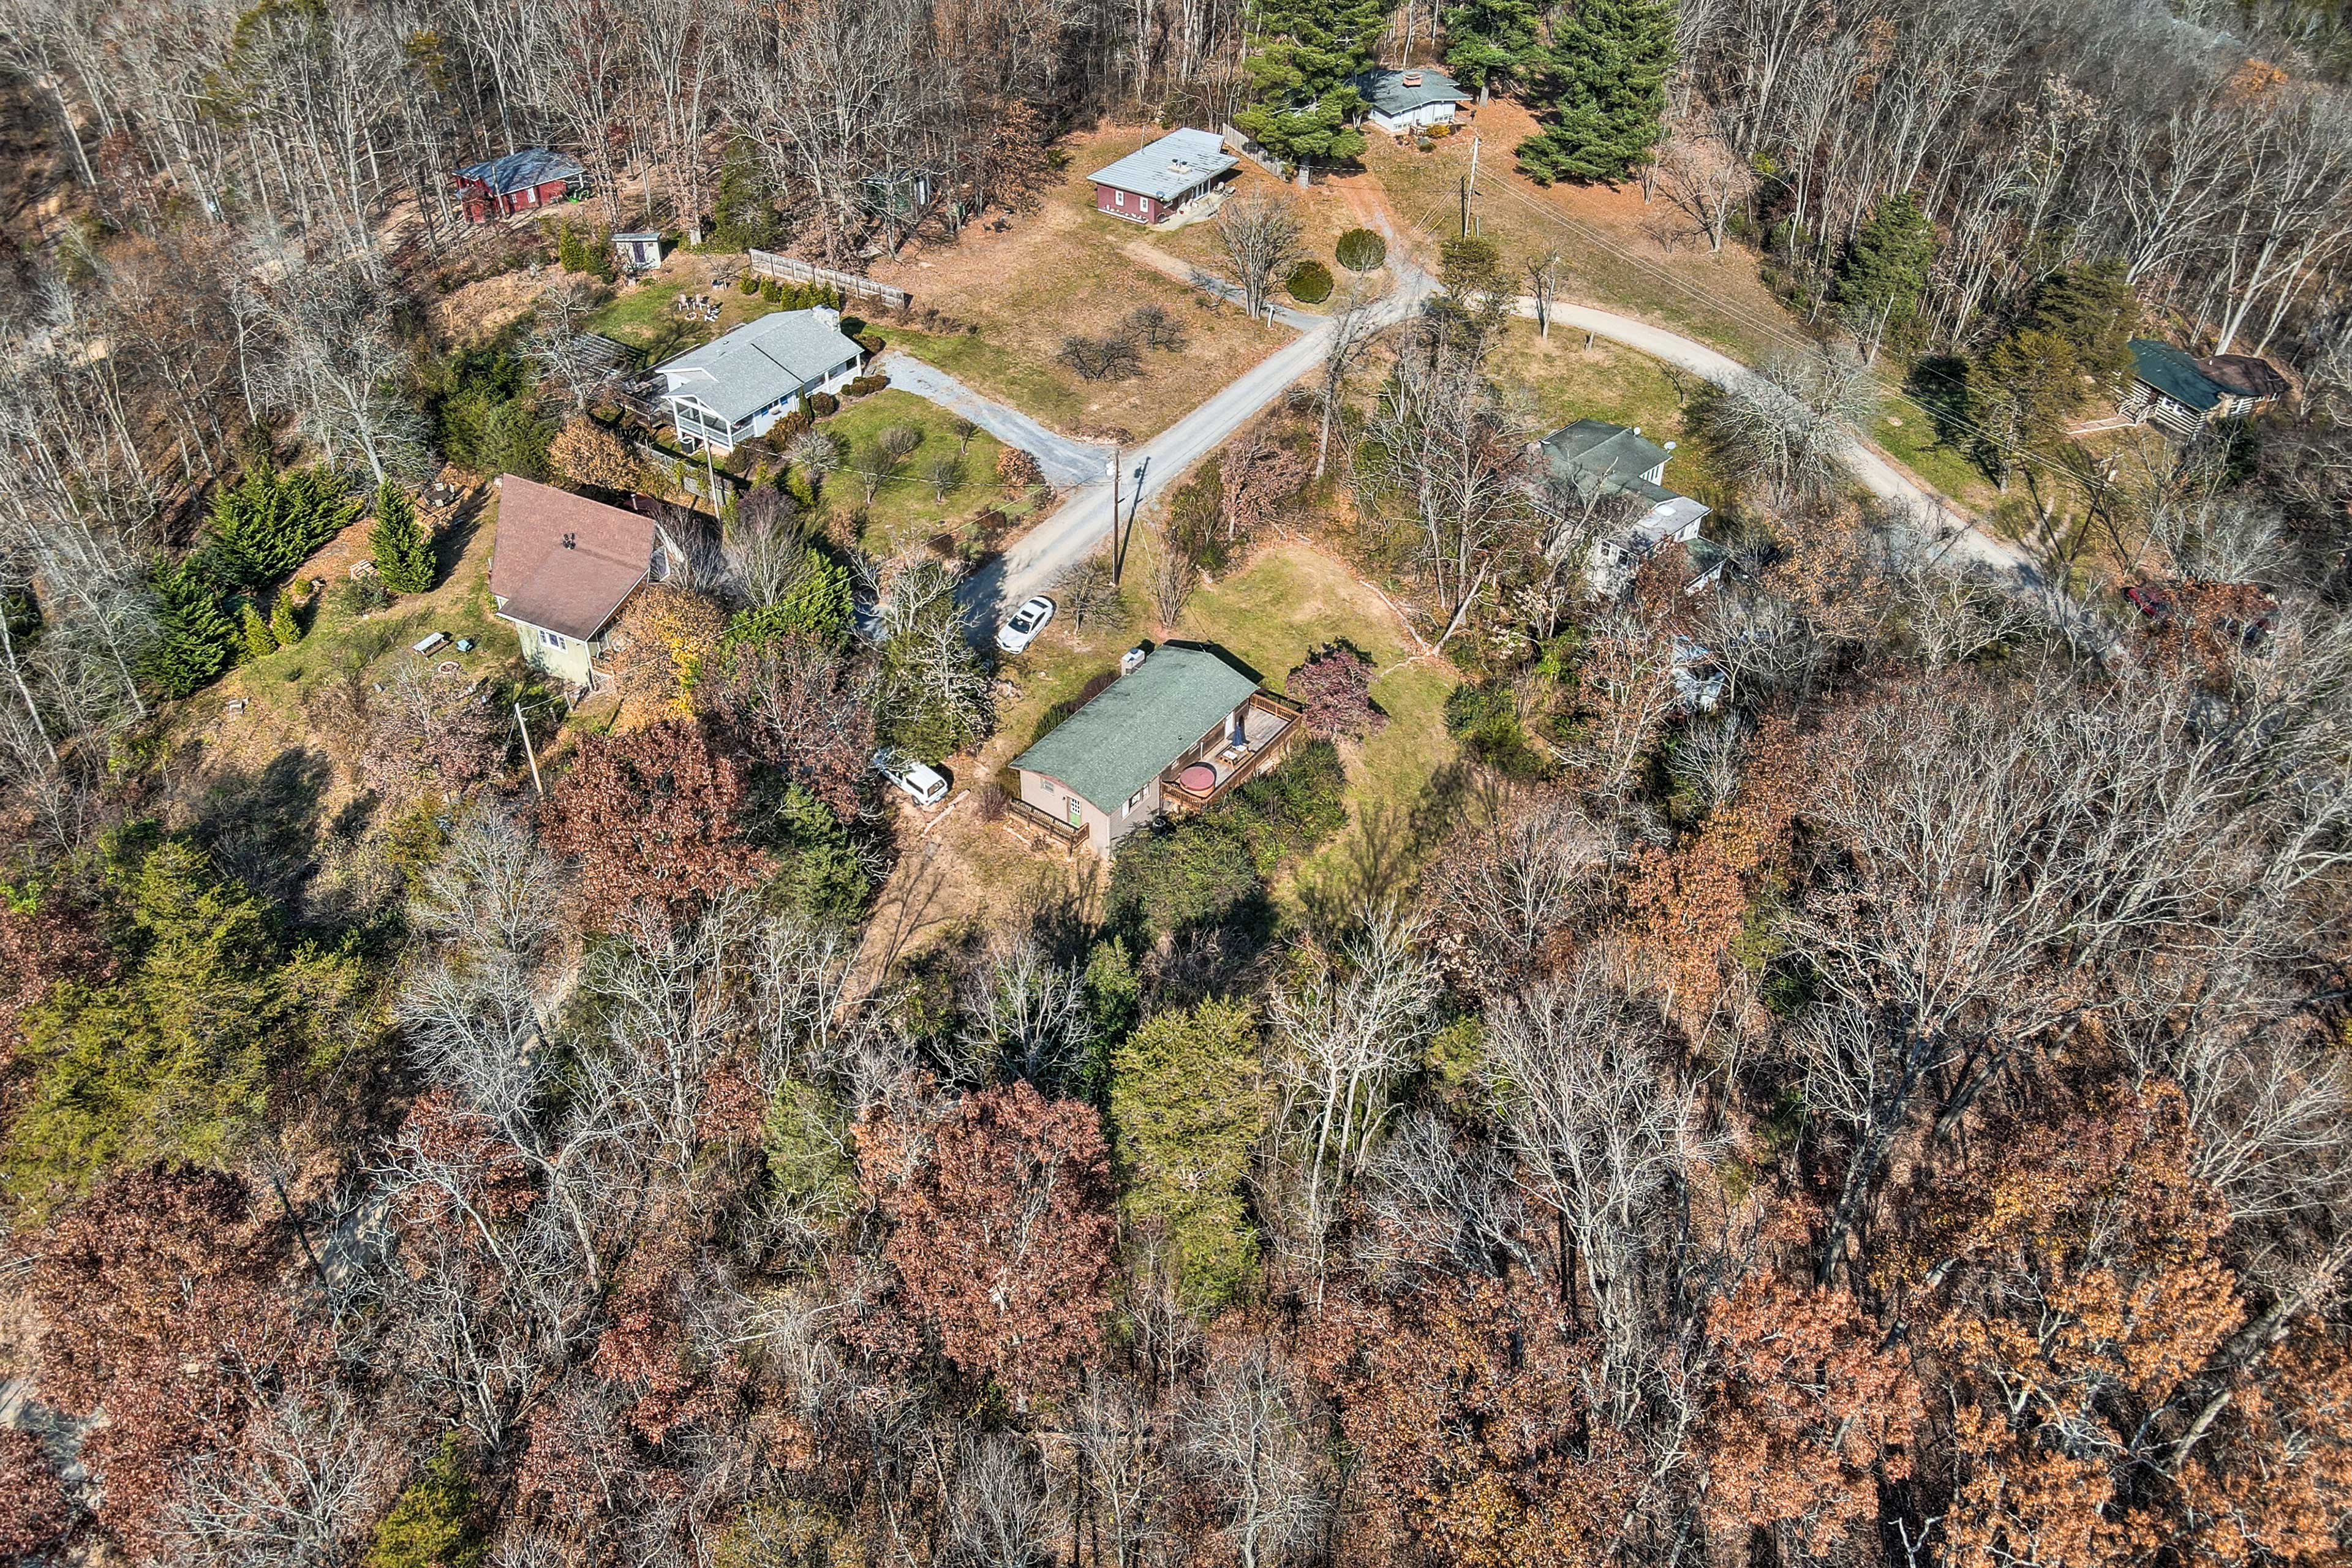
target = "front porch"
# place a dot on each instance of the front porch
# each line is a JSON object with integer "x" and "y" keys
{"x": 1268, "y": 726}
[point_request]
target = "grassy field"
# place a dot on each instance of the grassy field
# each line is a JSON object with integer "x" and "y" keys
{"x": 1620, "y": 253}
{"x": 1289, "y": 600}
{"x": 1065, "y": 269}
{"x": 907, "y": 505}
{"x": 1324, "y": 213}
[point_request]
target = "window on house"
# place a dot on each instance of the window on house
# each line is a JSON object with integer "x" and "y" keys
{"x": 553, "y": 640}
{"x": 1132, "y": 801}
{"x": 1118, "y": 198}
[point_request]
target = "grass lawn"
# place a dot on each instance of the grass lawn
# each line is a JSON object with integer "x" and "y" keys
{"x": 1620, "y": 253}
{"x": 1289, "y": 599}
{"x": 1323, "y": 212}
{"x": 306, "y": 696}
{"x": 1065, "y": 269}
{"x": 907, "y": 505}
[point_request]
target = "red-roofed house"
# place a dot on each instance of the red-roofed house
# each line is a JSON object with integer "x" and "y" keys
{"x": 561, "y": 567}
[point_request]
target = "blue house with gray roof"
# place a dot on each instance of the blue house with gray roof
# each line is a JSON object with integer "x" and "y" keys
{"x": 735, "y": 387}
{"x": 1402, "y": 101}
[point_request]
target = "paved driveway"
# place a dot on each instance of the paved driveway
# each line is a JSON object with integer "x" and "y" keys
{"x": 1067, "y": 463}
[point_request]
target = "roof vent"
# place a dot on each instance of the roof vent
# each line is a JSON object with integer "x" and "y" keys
{"x": 570, "y": 542}
{"x": 1412, "y": 78}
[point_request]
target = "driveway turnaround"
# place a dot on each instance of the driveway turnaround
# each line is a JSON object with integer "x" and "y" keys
{"x": 1066, "y": 462}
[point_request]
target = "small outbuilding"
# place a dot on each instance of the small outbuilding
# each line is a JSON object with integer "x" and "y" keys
{"x": 533, "y": 177}
{"x": 734, "y": 389}
{"x": 1163, "y": 178}
{"x": 2177, "y": 390}
{"x": 1404, "y": 101}
{"x": 561, "y": 566}
{"x": 1591, "y": 460}
{"x": 637, "y": 252}
{"x": 1171, "y": 736}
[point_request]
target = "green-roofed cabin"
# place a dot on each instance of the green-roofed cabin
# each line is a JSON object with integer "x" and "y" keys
{"x": 2179, "y": 392}
{"x": 1171, "y": 736}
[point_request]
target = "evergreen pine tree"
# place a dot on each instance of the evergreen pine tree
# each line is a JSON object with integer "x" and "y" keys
{"x": 196, "y": 641}
{"x": 272, "y": 521}
{"x": 283, "y": 625}
{"x": 1604, "y": 82}
{"x": 1490, "y": 40}
{"x": 2094, "y": 310}
{"x": 1884, "y": 270}
{"x": 254, "y": 632}
{"x": 402, "y": 549}
{"x": 1306, "y": 51}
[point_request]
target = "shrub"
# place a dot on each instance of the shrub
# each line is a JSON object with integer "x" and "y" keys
{"x": 1360, "y": 250}
{"x": 1017, "y": 468}
{"x": 1335, "y": 688}
{"x": 867, "y": 385}
{"x": 852, "y": 325}
{"x": 871, "y": 341}
{"x": 748, "y": 283}
{"x": 822, "y": 404}
{"x": 254, "y": 632}
{"x": 791, "y": 424}
{"x": 401, "y": 549}
{"x": 1152, "y": 326}
{"x": 1309, "y": 282}
{"x": 431, "y": 1523}
{"x": 772, "y": 292}
{"x": 1100, "y": 359}
{"x": 988, "y": 801}
{"x": 283, "y": 625}
{"x": 1486, "y": 722}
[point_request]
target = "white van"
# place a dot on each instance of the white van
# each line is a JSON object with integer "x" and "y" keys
{"x": 921, "y": 784}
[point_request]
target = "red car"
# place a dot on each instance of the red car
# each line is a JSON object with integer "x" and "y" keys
{"x": 2150, "y": 601}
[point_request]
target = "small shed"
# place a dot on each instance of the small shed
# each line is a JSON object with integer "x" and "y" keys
{"x": 637, "y": 252}
{"x": 1404, "y": 101}
{"x": 2177, "y": 390}
{"x": 532, "y": 177}
{"x": 1164, "y": 177}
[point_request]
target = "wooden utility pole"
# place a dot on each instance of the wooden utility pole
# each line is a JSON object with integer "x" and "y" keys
{"x": 1470, "y": 186}
{"x": 526, "y": 752}
{"x": 1117, "y": 546}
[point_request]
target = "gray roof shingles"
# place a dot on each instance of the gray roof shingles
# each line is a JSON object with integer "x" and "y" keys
{"x": 1387, "y": 90}
{"x": 1139, "y": 725}
{"x": 758, "y": 362}
{"x": 1168, "y": 167}
{"x": 524, "y": 170}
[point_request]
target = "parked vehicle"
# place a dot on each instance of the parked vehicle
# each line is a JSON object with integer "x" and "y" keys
{"x": 1027, "y": 621}
{"x": 2150, "y": 601}
{"x": 919, "y": 783}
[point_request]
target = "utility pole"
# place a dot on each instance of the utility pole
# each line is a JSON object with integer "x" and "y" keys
{"x": 1118, "y": 547}
{"x": 527, "y": 750}
{"x": 1470, "y": 186}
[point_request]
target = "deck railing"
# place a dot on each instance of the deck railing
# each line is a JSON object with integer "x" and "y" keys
{"x": 1020, "y": 814}
{"x": 1177, "y": 800}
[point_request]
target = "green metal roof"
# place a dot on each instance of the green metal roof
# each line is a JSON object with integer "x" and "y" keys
{"x": 1139, "y": 724}
{"x": 2174, "y": 373}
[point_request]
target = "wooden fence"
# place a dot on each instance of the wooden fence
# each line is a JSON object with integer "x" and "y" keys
{"x": 768, "y": 264}
{"x": 1258, "y": 155}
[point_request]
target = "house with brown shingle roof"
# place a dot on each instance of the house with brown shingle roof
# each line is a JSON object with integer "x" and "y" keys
{"x": 561, "y": 566}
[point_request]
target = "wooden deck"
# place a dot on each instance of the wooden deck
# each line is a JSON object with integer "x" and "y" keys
{"x": 1289, "y": 718}
{"x": 1042, "y": 829}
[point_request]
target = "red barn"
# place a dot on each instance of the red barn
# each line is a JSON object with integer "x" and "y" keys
{"x": 530, "y": 178}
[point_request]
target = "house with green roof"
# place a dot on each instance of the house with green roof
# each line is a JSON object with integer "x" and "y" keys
{"x": 2181, "y": 392}
{"x": 1169, "y": 737}
{"x": 1592, "y": 461}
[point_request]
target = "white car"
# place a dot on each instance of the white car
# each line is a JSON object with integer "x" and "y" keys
{"x": 1027, "y": 621}
{"x": 919, "y": 783}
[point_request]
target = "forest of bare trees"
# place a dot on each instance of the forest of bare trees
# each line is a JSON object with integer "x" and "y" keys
{"x": 1845, "y": 1058}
